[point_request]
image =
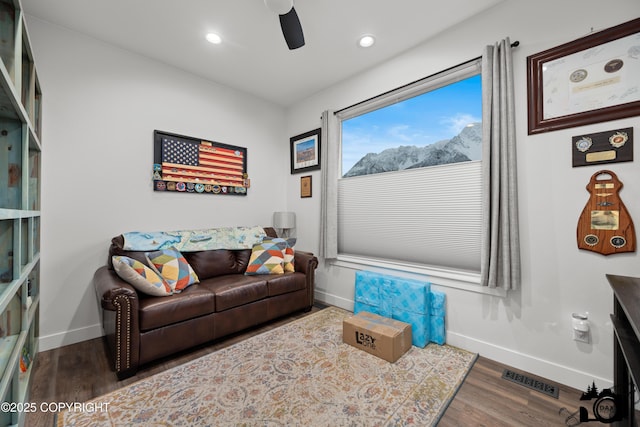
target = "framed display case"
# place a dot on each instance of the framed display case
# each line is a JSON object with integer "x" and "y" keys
{"x": 589, "y": 80}
{"x": 194, "y": 165}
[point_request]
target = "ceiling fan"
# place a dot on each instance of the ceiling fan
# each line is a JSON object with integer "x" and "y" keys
{"x": 289, "y": 22}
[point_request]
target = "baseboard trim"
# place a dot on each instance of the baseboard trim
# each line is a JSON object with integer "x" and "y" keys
{"x": 551, "y": 371}
{"x": 334, "y": 300}
{"x": 49, "y": 342}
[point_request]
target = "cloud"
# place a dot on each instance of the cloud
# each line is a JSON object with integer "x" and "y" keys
{"x": 455, "y": 124}
{"x": 399, "y": 132}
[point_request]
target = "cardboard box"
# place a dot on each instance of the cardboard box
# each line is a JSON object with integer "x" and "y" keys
{"x": 383, "y": 337}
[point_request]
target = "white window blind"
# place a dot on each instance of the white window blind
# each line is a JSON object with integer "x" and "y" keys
{"x": 429, "y": 216}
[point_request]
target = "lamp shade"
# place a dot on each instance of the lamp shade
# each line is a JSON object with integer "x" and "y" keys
{"x": 284, "y": 220}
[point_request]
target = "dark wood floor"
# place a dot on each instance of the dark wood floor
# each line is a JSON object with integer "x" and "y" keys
{"x": 80, "y": 372}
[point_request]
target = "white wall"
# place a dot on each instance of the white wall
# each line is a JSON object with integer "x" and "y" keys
{"x": 531, "y": 328}
{"x": 101, "y": 106}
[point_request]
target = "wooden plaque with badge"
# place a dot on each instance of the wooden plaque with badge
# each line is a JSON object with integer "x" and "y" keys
{"x": 603, "y": 147}
{"x": 605, "y": 225}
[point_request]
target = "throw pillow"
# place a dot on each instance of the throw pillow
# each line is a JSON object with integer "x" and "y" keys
{"x": 140, "y": 276}
{"x": 173, "y": 267}
{"x": 267, "y": 257}
{"x": 287, "y": 254}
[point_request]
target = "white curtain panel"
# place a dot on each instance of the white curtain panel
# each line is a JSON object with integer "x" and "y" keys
{"x": 500, "y": 254}
{"x": 330, "y": 170}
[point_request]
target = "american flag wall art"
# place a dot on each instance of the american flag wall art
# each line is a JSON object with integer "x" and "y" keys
{"x": 193, "y": 165}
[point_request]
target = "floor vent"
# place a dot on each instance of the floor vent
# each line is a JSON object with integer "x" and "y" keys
{"x": 532, "y": 383}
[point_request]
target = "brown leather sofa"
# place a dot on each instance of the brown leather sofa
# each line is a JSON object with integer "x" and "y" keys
{"x": 141, "y": 328}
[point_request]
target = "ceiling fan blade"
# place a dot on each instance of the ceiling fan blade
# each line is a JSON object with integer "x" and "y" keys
{"x": 292, "y": 29}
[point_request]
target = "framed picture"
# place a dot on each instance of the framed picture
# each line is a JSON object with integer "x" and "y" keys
{"x": 305, "y": 151}
{"x": 592, "y": 79}
{"x": 305, "y": 186}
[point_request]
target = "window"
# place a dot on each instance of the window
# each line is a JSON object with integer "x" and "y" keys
{"x": 409, "y": 190}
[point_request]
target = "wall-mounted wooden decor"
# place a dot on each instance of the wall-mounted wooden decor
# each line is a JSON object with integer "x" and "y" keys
{"x": 192, "y": 165}
{"x": 605, "y": 225}
{"x": 603, "y": 147}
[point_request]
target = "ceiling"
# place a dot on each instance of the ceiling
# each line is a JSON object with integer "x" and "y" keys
{"x": 253, "y": 56}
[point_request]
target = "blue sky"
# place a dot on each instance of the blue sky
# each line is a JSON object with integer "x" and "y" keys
{"x": 305, "y": 145}
{"x": 422, "y": 120}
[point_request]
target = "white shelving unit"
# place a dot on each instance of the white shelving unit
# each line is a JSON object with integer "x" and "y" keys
{"x": 20, "y": 156}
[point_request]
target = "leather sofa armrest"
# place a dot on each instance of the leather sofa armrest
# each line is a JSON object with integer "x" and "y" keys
{"x": 119, "y": 302}
{"x": 306, "y": 263}
{"x": 109, "y": 287}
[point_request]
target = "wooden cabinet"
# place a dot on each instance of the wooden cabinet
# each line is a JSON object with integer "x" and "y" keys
{"x": 626, "y": 345}
{"x": 20, "y": 157}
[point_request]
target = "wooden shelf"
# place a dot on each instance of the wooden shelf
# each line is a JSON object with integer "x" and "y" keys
{"x": 20, "y": 186}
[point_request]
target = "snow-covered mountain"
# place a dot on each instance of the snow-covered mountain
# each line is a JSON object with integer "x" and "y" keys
{"x": 465, "y": 146}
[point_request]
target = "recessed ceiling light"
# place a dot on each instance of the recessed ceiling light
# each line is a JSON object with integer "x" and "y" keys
{"x": 281, "y": 7}
{"x": 366, "y": 40}
{"x": 214, "y": 38}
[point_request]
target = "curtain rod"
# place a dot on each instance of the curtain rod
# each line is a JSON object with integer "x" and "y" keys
{"x": 514, "y": 44}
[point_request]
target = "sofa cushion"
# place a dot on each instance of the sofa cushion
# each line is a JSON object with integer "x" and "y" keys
{"x": 193, "y": 302}
{"x": 140, "y": 276}
{"x": 267, "y": 257}
{"x": 235, "y": 290}
{"x": 173, "y": 267}
{"x": 288, "y": 282}
{"x": 218, "y": 262}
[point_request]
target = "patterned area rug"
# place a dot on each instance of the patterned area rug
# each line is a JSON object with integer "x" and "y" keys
{"x": 300, "y": 374}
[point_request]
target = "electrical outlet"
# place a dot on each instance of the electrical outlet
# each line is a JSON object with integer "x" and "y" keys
{"x": 582, "y": 336}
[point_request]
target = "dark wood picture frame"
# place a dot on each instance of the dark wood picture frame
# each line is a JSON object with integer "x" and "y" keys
{"x": 305, "y": 186}
{"x": 305, "y": 151}
{"x": 541, "y": 95}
